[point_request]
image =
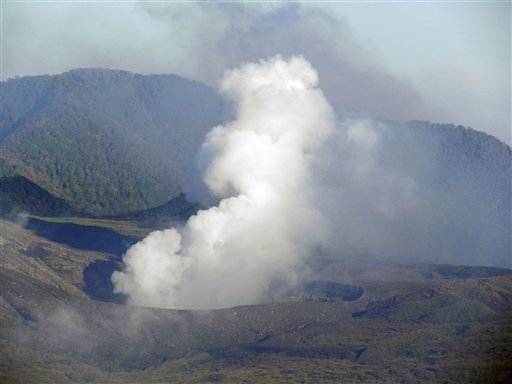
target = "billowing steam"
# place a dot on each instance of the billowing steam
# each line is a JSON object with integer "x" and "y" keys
{"x": 265, "y": 223}
{"x": 380, "y": 190}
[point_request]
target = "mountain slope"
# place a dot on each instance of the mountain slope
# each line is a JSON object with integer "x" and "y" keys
{"x": 432, "y": 192}
{"x": 434, "y": 330}
{"x": 463, "y": 179}
{"x": 107, "y": 141}
{"x": 18, "y": 194}
{"x": 111, "y": 142}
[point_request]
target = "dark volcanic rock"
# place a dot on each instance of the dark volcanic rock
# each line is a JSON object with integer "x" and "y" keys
{"x": 331, "y": 291}
{"x": 89, "y": 238}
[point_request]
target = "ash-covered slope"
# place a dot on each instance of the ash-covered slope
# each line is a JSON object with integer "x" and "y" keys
{"x": 416, "y": 329}
{"x": 106, "y": 141}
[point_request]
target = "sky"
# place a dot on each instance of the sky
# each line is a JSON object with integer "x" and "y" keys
{"x": 437, "y": 61}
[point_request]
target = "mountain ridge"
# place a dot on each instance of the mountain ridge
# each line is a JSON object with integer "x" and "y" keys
{"x": 128, "y": 135}
{"x": 112, "y": 143}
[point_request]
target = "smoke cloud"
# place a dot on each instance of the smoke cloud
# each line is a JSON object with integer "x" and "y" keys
{"x": 414, "y": 193}
{"x": 283, "y": 195}
{"x": 366, "y": 56}
{"x": 265, "y": 223}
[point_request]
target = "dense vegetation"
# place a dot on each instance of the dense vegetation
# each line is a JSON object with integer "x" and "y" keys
{"x": 110, "y": 143}
{"x": 106, "y": 141}
{"x": 20, "y": 195}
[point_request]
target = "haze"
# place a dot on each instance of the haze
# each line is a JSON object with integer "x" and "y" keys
{"x": 432, "y": 61}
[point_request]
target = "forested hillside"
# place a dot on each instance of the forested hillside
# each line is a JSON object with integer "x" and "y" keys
{"x": 20, "y": 195}
{"x": 110, "y": 142}
{"x": 106, "y": 141}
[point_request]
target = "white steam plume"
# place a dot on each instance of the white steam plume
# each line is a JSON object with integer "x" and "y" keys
{"x": 265, "y": 223}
